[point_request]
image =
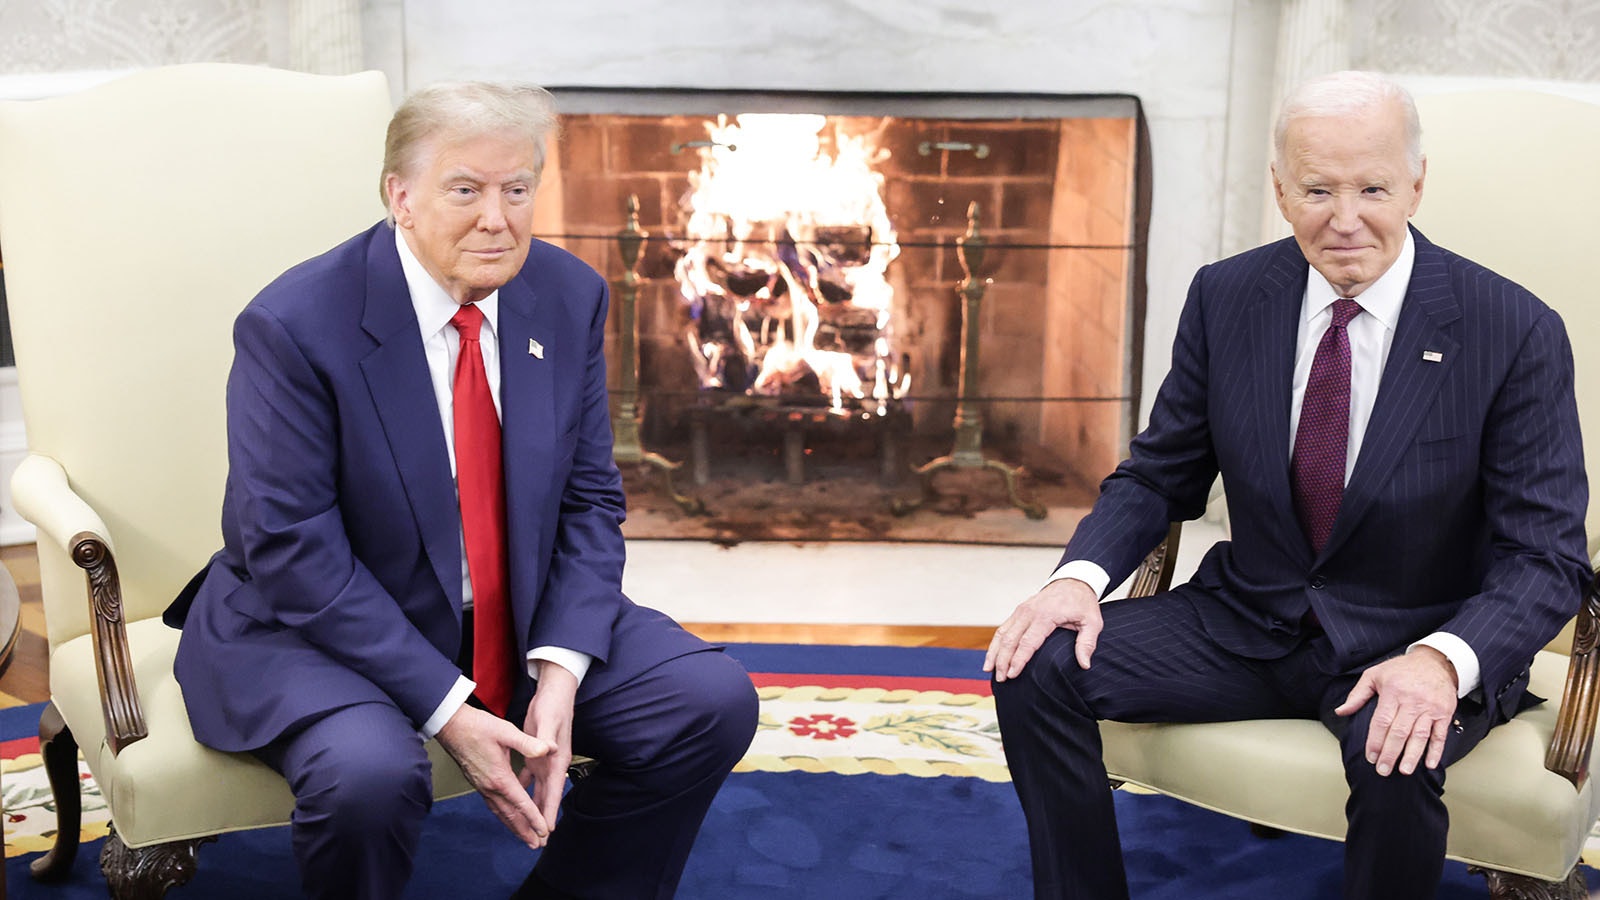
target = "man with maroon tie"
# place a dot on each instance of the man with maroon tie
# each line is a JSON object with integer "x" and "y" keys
{"x": 422, "y": 538}
{"x": 1396, "y": 431}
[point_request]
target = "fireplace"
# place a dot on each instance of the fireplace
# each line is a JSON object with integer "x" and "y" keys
{"x": 799, "y": 324}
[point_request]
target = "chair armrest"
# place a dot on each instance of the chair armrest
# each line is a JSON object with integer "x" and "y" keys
{"x": 1154, "y": 575}
{"x": 1573, "y": 741}
{"x": 42, "y": 495}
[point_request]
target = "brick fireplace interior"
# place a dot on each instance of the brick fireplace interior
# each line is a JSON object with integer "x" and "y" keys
{"x": 1061, "y": 191}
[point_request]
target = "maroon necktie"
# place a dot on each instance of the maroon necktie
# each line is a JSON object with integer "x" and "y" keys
{"x": 480, "y": 482}
{"x": 1322, "y": 439}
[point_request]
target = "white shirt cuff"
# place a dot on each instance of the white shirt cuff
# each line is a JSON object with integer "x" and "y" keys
{"x": 448, "y": 706}
{"x": 1460, "y": 655}
{"x": 1085, "y": 571}
{"x": 571, "y": 660}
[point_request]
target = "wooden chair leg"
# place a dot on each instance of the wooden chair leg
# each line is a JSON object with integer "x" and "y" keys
{"x": 147, "y": 873}
{"x": 1505, "y": 886}
{"x": 60, "y": 752}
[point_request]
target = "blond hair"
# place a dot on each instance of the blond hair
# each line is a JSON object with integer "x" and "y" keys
{"x": 455, "y": 111}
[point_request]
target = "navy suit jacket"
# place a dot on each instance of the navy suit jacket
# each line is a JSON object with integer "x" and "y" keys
{"x": 1464, "y": 511}
{"x": 339, "y": 581}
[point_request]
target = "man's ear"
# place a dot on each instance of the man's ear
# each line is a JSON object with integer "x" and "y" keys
{"x": 399, "y": 199}
{"x": 1277, "y": 188}
{"x": 1416, "y": 189}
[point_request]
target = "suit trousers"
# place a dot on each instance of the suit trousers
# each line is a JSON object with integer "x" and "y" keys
{"x": 1155, "y": 663}
{"x": 665, "y": 742}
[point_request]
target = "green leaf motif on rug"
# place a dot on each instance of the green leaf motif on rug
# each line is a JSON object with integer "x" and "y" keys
{"x": 949, "y": 732}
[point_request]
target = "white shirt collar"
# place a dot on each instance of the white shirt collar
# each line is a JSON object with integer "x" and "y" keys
{"x": 1381, "y": 301}
{"x": 433, "y": 304}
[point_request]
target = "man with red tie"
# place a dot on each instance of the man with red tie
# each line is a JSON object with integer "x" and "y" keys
{"x": 1396, "y": 431}
{"x": 422, "y": 539}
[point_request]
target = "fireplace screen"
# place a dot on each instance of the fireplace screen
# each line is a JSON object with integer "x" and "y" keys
{"x": 801, "y": 320}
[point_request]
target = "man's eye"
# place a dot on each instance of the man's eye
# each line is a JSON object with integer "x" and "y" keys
{"x": 1373, "y": 189}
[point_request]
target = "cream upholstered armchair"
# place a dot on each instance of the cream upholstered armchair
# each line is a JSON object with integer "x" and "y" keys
{"x": 1510, "y": 183}
{"x": 138, "y": 218}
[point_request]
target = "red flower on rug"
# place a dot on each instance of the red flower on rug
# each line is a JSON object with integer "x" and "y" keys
{"x": 822, "y": 726}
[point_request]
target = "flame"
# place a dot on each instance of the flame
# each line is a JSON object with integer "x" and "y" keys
{"x": 776, "y": 223}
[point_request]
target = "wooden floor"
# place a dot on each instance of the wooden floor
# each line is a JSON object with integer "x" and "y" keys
{"x": 27, "y": 678}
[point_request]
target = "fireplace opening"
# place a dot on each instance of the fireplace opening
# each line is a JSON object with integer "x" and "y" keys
{"x": 802, "y": 297}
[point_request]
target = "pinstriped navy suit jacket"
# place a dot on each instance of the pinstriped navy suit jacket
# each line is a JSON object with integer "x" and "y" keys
{"x": 1464, "y": 511}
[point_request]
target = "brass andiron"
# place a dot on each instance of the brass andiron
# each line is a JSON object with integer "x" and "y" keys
{"x": 968, "y": 451}
{"x": 625, "y": 446}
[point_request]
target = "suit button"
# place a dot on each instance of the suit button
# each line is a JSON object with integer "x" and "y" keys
{"x": 1317, "y": 582}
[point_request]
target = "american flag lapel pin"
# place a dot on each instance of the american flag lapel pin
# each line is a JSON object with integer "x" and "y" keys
{"x": 1432, "y": 356}
{"x": 535, "y": 349}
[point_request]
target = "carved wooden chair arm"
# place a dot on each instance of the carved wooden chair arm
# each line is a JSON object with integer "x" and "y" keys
{"x": 1573, "y": 741}
{"x": 113, "y": 661}
{"x": 42, "y": 495}
{"x": 1154, "y": 575}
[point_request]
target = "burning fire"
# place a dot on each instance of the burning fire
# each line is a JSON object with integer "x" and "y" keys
{"x": 785, "y": 271}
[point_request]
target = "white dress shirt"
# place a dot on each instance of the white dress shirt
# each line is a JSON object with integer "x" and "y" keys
{"x": 1370, "y": 335}
{"x": 442, "y": 346}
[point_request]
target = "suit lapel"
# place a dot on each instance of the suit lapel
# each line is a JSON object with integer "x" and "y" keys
{"x": 1274, "y": 326}
{"x": 397, "y": 375}
{"x": 1409, "y": 385}
{"x": 527, "y": 373}
{"x": 529, "y": 357}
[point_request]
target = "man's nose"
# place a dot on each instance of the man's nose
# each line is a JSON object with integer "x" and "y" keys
{"x": 492, "y": 214}
{"x": 1346, "y": 213}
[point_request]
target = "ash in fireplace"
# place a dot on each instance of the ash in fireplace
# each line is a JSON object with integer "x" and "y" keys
{"x": 748, "y": 499}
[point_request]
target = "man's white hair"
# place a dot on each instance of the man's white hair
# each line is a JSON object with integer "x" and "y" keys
{"x": 1346, "y": 93}
{"x": 465, "y": 109}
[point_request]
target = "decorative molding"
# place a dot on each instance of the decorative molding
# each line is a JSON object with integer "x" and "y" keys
{"x": 65, "y": 35}
{"x": 1313, "y": 39}
{"x": 1549, "y": 39}
{"x": 325, "y": 36}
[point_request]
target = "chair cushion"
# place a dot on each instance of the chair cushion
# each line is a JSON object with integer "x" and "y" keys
{"x": 185, "y": 790}
{"x": 1507, "y": 812}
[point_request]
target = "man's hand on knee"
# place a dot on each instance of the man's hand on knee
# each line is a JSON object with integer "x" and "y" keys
{"x": 1065, "y": 603}
{"x": 481, "y": 743}
{"x": 1416, "y": 697}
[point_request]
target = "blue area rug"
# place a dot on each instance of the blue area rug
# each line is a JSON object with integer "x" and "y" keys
{"x": 797, "y": 835}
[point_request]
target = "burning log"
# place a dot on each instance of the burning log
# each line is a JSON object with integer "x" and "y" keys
{"x": 784, "y": 266}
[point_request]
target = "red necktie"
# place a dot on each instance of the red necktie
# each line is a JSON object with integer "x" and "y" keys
{"x": 480, "y": 482}
{"x": 1322, "y": 439}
